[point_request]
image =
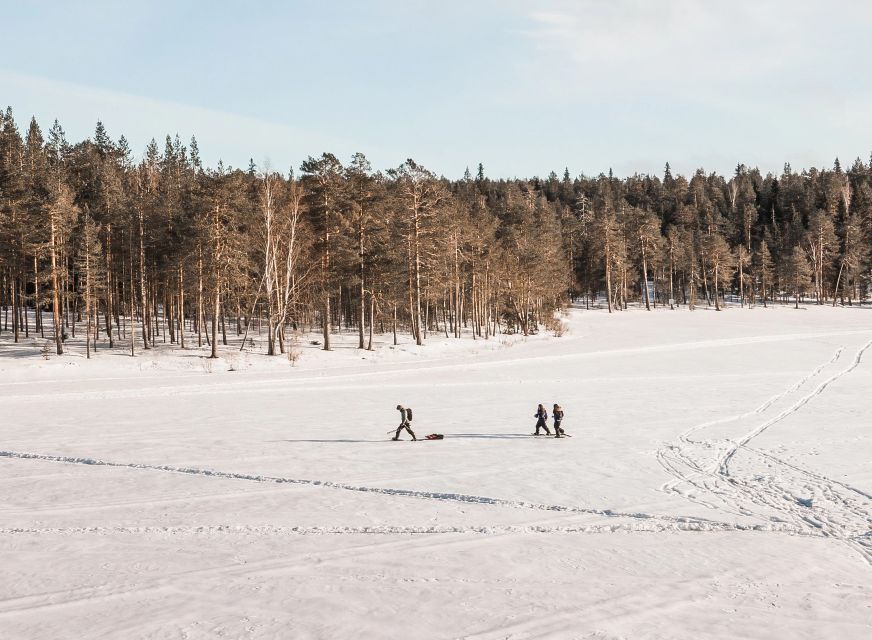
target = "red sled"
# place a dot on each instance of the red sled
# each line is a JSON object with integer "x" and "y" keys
{"x": 434, "y": 436}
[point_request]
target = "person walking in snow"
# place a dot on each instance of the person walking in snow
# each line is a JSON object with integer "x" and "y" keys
{"x": 557, "y": 414}
{"x": 405, "y": 419}
{"x": 541, "y": 416}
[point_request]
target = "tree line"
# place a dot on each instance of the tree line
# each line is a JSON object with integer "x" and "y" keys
{"x": 129, "y": 252}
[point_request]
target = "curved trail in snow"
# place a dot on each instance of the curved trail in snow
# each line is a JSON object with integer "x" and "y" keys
{"x": 766, "y": 487}
{"x": 724, "y": 465}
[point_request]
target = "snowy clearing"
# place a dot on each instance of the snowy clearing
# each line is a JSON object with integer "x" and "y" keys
{"x": 718, "y": 484}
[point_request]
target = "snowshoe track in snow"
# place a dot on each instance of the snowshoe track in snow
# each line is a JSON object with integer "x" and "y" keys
{"x": 729, "y": 475}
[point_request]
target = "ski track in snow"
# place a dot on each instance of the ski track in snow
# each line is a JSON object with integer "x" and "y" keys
{"x": 271, "y": 530}
{"x": 788, "y": 499}
{"x": 410, "y": 493}
{"x": 729, "y": 475}
{"x": 241, "y": 385}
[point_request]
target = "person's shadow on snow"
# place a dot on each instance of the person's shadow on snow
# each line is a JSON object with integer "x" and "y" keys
{"x": 487, "y": 436}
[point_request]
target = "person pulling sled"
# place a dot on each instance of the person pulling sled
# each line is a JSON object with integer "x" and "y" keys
{"x": 541, "y": 416}
{"x": 405, "y": 419}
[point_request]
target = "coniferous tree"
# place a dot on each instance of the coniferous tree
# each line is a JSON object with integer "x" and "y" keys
{"x": 720, "y": 261}
{"x": 89, "y": 266}
{"x": 797, "y": 273}
{"x": 365, "y": 191}
{"x": 176, "y": 248}
{"x": 419, "y": 197}
{"x": 324, "y": 197}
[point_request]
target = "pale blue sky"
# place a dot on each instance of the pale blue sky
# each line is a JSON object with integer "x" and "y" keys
{"x": 524, "y": 87}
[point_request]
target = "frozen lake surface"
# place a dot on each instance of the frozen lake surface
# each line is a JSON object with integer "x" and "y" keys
{"x": 718, "y": 484}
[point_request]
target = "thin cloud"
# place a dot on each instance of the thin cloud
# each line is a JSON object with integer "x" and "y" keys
{"x": 220, "y": 135}
{"x": 763, "y": 81}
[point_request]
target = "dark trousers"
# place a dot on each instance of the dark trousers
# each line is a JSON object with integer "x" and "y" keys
{"x": 558, "y": 430}
{"x": 405, "y": 425}
{"x": 540, "y": 424}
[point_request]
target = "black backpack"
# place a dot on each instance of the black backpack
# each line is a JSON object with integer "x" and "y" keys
{"x": 409, "y": 415}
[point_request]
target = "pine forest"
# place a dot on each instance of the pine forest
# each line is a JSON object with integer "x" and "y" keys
{"x": 133, "y": 252}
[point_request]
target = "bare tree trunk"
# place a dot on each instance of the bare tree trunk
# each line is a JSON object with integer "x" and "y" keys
{"x": 645, "y": 276}
{"x": 485, "y": 301}
{"x": 216, "y": 311}
{"x": 411, "y": 287}
{"x": 608, "y": 258}
{"x": 325, "y": 283}
{"x": 131, "y": 295}
{"x": 838, "y": 280}
{"x": 157, "y": 311}
{"x": 24, "y": 308}
{"x": 624, "y": 296}
{"x": 671, "y": 273}
{"x": 473, "y": 296}
{"x": 15, "y": 303}
{"x": 269, "y": 277}
{"x": 456, "y": 287}
{"x": 181, "y": 306}
{"x": 206, "y": 332}
{"x": 65, "y": 300}
{"x": 55, "y": 283}
{"x": 36, "y": 307}
{"x": 763, "y": 288}
{"x": 200, "y": 297}
{"x": 223, "y": 326}
{"x": 371, "y": 320}
{"x": 417, "y": 246}
{"x": 361, "y": 284}
{"x": 109, "y": 284}
{"x": 88, "y": 296}
{"x": 705, "y": 287}
{"x": 715, "y": 279}
{"x": 326, "y": 320}
{"x": 146, "y": 328}
{"x": 168, "y": 303}
{"x": 692, "y": 304}
{"x": 445, "y": 320}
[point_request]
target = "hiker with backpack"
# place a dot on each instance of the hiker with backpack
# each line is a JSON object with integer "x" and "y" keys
{"x": 557, "y": 414}
{"x": 405, "y": 419}
{"x": 541, "y": 416}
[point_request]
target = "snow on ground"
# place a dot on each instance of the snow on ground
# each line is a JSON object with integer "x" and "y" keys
{"x": 718, "y": 484}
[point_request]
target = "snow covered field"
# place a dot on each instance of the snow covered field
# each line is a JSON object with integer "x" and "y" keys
{"x": 718, "y": 485}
